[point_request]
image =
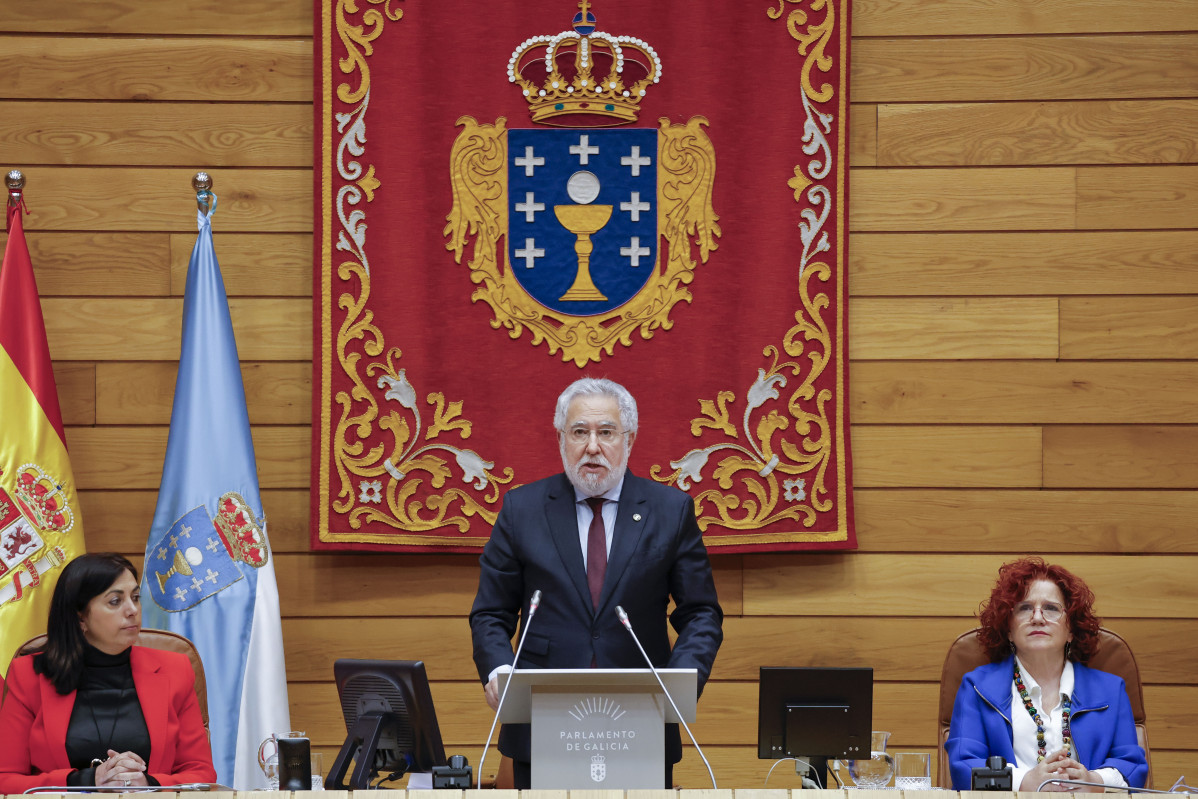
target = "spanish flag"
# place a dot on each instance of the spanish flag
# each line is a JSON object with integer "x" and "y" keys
{"x": 40, "y": 527}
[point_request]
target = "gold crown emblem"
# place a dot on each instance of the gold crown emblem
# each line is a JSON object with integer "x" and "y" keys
{"x": 584, "y": 77}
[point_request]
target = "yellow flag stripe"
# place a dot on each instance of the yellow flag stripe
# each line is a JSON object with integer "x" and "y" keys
{"x": 28, "y": 439}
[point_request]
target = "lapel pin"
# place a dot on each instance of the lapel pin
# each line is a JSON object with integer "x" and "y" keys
{"x": 636, "y": 517}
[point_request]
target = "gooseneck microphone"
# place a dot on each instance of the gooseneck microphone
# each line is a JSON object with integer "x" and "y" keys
{"x": 533, "y": 604}
{"x": 1103, "y": 785}
{"x": 628, "y": 626}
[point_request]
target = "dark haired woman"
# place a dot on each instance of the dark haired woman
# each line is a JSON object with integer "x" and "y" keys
{"x": 92, "y": 708}
{"x": 1035, "y": 703}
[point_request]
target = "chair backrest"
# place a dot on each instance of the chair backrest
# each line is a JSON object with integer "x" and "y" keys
{"x": 966, "y": 654}
{"x": 153, "y": 639}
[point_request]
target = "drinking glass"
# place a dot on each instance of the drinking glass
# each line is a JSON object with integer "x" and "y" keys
{"x": 318, "y": 771}
{"x": 913, "y": 771}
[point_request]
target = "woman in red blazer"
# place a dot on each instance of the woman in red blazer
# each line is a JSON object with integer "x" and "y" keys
{"x": 92, "y": 709}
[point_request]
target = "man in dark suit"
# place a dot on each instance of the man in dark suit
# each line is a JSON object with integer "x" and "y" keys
{"x": 639, "y": 549}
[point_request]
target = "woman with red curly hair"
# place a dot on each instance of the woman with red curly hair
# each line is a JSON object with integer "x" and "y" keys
{"x": 1036, "y": 703}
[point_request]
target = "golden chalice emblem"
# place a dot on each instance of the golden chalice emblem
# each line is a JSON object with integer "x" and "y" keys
{"x": 582, "y": 220}
{"x": 180, "y": 566}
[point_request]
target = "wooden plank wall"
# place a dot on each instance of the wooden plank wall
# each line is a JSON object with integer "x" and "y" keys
{"x": 1024, "y": 272}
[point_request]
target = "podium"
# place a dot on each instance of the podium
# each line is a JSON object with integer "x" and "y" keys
{"x": 598, "y": 728}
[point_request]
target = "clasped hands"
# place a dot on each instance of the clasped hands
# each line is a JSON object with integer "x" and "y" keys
{"x": 121, "y": 769}
{"x": 1059, "y": 765}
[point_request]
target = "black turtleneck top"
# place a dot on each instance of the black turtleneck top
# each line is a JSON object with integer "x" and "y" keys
{"x": 107, "y": 715}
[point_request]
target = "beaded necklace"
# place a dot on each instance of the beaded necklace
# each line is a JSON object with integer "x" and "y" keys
{"x": 1066, "y": 710}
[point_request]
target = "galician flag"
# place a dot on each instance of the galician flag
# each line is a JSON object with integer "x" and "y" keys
{"x": 209, "y": 574}
{"x": 40, "y": 527}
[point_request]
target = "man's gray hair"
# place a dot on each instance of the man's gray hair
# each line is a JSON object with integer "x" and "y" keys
{"x": 597, "y": 387}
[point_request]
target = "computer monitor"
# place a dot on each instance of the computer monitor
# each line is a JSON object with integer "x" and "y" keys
{"x": 389, "y": 719}
{"x": 814, "y": 713}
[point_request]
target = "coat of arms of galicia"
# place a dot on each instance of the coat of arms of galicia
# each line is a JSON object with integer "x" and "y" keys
{"x": 597, "y": 226}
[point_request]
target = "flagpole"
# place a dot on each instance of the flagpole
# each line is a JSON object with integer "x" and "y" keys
{"x": 209, "y": 571}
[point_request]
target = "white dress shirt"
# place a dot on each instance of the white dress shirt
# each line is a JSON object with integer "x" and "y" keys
{"x": 585, "y": 515}
{"x": 1024, "y": 728}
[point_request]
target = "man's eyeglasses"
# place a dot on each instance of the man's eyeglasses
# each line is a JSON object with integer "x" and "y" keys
{"x": 1050, "y": 611}
{"x": 582, "y": 435}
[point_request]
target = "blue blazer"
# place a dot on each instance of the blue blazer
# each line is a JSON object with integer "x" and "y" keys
{"x": 1102, "y": 725}
{"x": 656, "y": 553}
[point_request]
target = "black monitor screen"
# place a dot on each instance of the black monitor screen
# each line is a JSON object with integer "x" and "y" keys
{"x": 398, "y": 692}
{"x": 814, "y": 712}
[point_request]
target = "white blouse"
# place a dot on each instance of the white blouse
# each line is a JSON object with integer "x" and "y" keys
{"x": 1024, "y": 729}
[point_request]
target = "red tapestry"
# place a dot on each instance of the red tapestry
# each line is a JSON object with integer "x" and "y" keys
{"x": 514, "y": 194}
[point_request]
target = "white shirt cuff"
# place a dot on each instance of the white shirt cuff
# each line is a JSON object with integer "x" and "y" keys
{"x": 505, "y": 669}
{"x": 1111, "y": 777}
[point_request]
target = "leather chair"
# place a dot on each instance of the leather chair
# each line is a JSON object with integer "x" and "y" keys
{"x": 965, "y": 655}
{"x": 153, "y": 639}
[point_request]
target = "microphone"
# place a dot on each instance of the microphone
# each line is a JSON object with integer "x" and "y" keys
{"x": 533, "y": 604}
{"x": 628, "y": 626}
{"x": 1103, "y": 785}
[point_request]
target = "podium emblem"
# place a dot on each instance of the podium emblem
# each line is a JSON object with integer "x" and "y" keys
{"x": 598, "y": 768}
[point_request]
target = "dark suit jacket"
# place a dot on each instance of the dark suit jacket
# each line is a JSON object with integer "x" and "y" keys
{"x": 34, "y": 719}
{"x": 656, "y": 553}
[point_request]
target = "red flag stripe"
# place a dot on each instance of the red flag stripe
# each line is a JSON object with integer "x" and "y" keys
{"x": 22, "y": 329}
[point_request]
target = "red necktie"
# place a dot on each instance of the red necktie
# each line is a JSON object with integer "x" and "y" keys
{"x": 596, "y": 550}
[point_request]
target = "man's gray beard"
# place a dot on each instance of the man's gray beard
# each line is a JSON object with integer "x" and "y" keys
{"x": 593, "y": 486}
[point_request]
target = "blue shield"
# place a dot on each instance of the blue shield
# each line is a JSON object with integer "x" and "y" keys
{"x": 189, "y": 563}
{"x": 551, "y": 175}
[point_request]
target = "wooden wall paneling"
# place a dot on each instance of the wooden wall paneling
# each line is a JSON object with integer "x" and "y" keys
{"x": 898, "y": 585}
{"x": 76, "y": 264}
{"x": 946, "y": 457}
{"x": 432, "y": 585}
{"x": 973, "y": 17}
{"x": 1130, "y": 327}
{"x": 142, "y": 392}
{"x": 252, "y": 264}
{"x": 1021, "y": 134}
{"x": 312, "y": 644}
{"x": 1120, "y": 456}
{"x": 150, "y": 329}
{"x": 962, "y": 199}
{"x": 1023, "y": 263}
{"x": 119, "y": 519}
{"x": 1026, "y": 520}
{"x": 997, "y": 68}
{"x": 863, "y": 135}
{"x": 149, "y": 199}
{"x": 195, "y": 17}
{"x": 912, "y": 649}
{"x": 953, "y": 327}
{"x": 157, "y": 134}
{"x": 120, "y": 68}
{"x": 902, "y": 649}
{"x": 1027, "y": 392}
{"x": 1138, "y": 196}
{"x": 76, "y": 383}
{"x": 122, "y": 457}
{"x": 906, "y": 649}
